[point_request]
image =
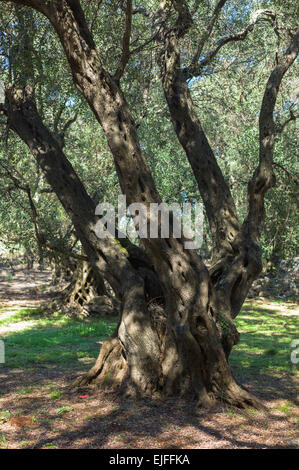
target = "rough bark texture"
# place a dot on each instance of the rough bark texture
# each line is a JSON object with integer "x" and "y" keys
{"x": 180, "y": 345}
{"x": 86, "y": 294}
{"x": 236, "y": 254}
{"x": 128, "y": 270}
{"x": 214, "y": 190}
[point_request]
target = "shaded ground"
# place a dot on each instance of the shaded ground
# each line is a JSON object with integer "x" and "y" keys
{"x": 44, "y": 354}
{"x": 20, "y": 287}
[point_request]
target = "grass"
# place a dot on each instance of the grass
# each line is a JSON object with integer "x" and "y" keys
{"x": 4, "y": 416}
{"x": 59, "y": 419}
{"x": 9, "y": 277}
{"x": 26, "y": 391}
{"x": 43, "y": 288}
{"x": 55, "y": 395}
{"x": 50, "y": 445}
{"x": 53, "y": 339}
{"x": 64, "y": 409}
{"x": 286, "y": 408}
{"x": 3, "y": 443}
{"x": 265, "y": 341}
{"x": 23, "y": 314}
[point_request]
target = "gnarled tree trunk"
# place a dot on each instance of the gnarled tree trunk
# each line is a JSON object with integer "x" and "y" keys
{"x": 179, "y": 351}
{"x": 87, "y": 294}
{"x": 179, "y": 347}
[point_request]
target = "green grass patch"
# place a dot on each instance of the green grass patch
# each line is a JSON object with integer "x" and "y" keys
{"x": 271, "y": 351}
{"x": 54, "y": 339}
{"x": 23, "y": 314}
{"x": 265, "y": 341}
{"x": 26, "y": 391}
{"x": 264, "y": 347}
{"x": 3, "y": 443}
{"x": 55, "y": 395}
{"x": 4, "y": 416}
{"x": 50, "y": 445}
{"x": 286, "y": 408}
{"x": 63, "y": 410}
{"x": 43, "y": 288}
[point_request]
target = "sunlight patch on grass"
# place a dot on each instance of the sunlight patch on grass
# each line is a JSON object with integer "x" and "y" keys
{"x": 22, "y": 315}
{"x": 265, "y": 341}
{"x": 54, "y": 338}
{"x": 264, "y": 347}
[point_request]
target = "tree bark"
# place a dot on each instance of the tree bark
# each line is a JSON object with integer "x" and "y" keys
{"x": 135, "y": 286}
{"x": 181, "y": 346}
{"x": 215, "y": 193}
{"x": 183, "y": 351}
{"x": 86, "y": 294}
{"x": 237, "y": 259}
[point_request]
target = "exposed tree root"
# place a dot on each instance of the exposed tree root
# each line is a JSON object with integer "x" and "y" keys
{"x": 111, "y": 371}
{"x": 237, "y": 396}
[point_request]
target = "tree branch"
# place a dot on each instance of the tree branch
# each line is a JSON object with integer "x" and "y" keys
{"x": 196, "y": 67}
{"x": 184, "y": 19}
{"x": 290, "y": 176}
{"x": 140, "y": 11}
{"x": 280, "y": 127}
{"x": 214, "y": 190}
{"x": 263, "y": 178}
{"x": 61, "y": 135}
{"x": 207, "y": 33}
{"x": 142, "y": 46}
{"x": 22, "y": 185}
{"x": 38, "y": 5}
{"x": 125, "y": 43}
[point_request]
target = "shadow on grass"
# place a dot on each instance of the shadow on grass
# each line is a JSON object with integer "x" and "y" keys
{"x": 265, "y": 345}
{"x": 148, "y": 424}
{"x": 269, "y": 375}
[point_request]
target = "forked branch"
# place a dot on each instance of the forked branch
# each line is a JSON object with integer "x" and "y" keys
{"x": 197, "y": 65}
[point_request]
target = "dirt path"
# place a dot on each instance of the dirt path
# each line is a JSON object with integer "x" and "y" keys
{"x": 37, "y": 409}
{"x": 21, "y": 287}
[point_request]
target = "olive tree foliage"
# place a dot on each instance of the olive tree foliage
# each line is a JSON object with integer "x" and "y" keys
{"x": 228, "y": 94}
{"x": 146, "y": 74}
{"x": 234, "y": 91}
{"x": 39, "y": 227}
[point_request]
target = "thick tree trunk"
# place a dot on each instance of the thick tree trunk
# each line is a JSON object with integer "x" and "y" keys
{"x": 152, "y": 357}
{"x": 112, "y": 259}
{"x": 215, "y": 193}
{"x": 62, "y": 268}
{"x": 176, "y": 348}
{"x": 179, "y": 348}
{"x": 237, "y": 259}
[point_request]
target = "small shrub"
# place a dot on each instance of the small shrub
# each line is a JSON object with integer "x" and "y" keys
{"x": 64, "y": 409}
{"x": 55, "y": 395}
